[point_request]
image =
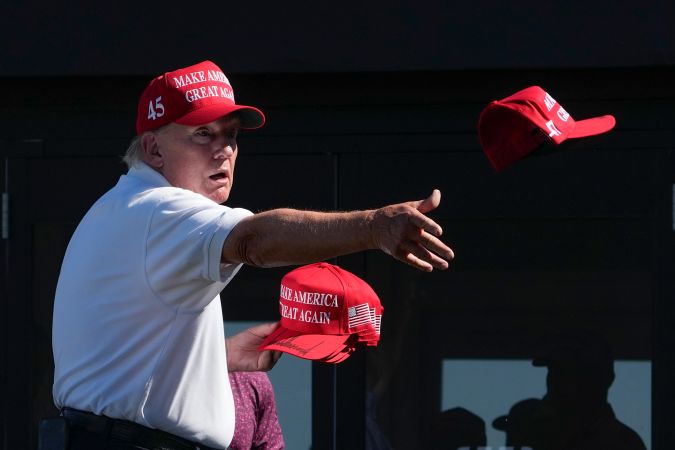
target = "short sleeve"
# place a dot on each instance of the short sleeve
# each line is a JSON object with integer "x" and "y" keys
{"x": 184, "y": 247}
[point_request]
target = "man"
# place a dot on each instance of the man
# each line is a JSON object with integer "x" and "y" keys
{"x": 529, "y": 424}
{"x": 580, "y": 372}
{"x": 138, "y": 332}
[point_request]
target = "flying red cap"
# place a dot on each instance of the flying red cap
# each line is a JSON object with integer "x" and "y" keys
{"x": 326, "y": 312}
{"x": 511, "y": 128}
{"x": 194, "y": 95}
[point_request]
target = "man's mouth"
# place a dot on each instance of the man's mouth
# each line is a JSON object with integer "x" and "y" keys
{"x": 218, "y": 176}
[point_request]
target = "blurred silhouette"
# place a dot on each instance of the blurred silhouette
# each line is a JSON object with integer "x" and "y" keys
{"x": 375, "y": 437}
{"x": 384, "y": 360}
{"x": 530, "y": 424}
{"x": 580, "y": 372}
{"x": 457, "y": 428}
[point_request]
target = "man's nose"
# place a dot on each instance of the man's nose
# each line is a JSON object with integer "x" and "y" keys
{"x": 224, "y": 151}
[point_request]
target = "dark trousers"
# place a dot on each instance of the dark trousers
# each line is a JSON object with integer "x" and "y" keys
{"x": 84, "y": 440}
{"x": 87, "y": 431}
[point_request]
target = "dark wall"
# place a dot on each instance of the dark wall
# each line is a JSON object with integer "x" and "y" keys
{"x": 360, "y": 92}
{"x": 81, "y": 37}
{"x": 600, "y": 215}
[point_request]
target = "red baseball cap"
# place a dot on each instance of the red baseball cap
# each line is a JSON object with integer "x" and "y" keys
{"x": 511, "y": 128}
{"x": 194, "y": 95}
{"x": 326, "y": 312}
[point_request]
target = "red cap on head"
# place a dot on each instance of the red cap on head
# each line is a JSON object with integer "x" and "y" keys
{"x": 515, "y": 126}
{"x": 326, "y": 312}
{"x": 194, "y": 95}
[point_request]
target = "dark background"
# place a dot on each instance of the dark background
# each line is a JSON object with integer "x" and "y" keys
{"x": 367, "y": 103}
{"x": 73, "y": 38}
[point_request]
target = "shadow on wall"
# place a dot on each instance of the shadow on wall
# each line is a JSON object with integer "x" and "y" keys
{"x": 574, "y": 413}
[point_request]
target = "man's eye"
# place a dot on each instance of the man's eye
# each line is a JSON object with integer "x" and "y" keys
{"x": 202, "y": 133}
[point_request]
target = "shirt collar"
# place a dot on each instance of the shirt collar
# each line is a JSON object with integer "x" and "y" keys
{"x": 149, "y": 175}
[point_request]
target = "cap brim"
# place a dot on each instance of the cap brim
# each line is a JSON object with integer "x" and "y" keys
{"x": 341, "y": 356}
{"x": 500, "y": 423}
{"x": 251, "y": 117}
{"x": 306, "y": 346}
{"x": 343, "y": 353}
{"x": 592, "y": 126}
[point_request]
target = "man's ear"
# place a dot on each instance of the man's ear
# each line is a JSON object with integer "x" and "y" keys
{"x": 152, "y": 155}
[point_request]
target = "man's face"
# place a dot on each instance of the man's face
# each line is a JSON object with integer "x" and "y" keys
{"x": 199, "y": 158}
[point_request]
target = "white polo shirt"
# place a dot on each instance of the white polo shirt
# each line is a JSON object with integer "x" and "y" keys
{"x": 138, "y": 328}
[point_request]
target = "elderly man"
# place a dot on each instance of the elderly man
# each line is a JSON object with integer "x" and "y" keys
{"x": 140, "y": 360}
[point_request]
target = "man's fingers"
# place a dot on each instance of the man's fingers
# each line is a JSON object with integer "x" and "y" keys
{"x": 429, "y": 230}
{"x": 263, "y": 330}
{"x": 406, "y": 233}
{"x": 267, "y": 360}
{"x": 417, "y": 263}
{"x": 430, "y": 203}
{"x": 435, "y": 245}
{"x": 417, "y": 256}
{"x": 426, "y": 224}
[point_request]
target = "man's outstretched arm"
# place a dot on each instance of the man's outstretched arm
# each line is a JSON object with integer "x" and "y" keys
{"x": 287, "y": 236}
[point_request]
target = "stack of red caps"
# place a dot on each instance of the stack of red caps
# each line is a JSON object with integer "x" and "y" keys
{"x": 326, "y": 313}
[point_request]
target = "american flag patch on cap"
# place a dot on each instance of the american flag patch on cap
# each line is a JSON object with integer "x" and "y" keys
{"x": 358, "y": 315}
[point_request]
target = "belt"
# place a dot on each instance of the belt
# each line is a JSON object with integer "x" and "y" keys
{"x": 127, "y": 431}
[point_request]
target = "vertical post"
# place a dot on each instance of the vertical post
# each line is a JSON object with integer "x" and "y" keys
{"x": 663, "y": 363}
{"x": 324, "y": 382}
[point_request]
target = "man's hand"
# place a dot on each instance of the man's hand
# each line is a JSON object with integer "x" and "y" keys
{"x": 404, "y": 232}
{"x": 242, "y": 350}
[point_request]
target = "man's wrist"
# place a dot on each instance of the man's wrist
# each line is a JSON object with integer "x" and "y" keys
{"x": 370, "y": 226}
